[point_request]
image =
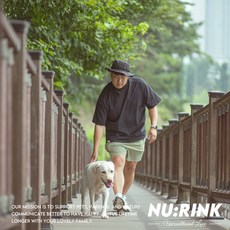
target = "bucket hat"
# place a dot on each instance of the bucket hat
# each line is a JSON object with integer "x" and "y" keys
{"x": 119, "y": 66}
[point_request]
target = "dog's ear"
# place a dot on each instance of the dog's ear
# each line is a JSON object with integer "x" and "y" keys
{"x": 111, "y": 163}
{"x": 97, "y": 166}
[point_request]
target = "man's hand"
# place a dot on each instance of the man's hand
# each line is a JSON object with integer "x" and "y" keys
{"x": 152, "y": 135}
{"x": 153, "y": 115}
{"x": 98, "y": 133}
{"x": 93, "y": 157}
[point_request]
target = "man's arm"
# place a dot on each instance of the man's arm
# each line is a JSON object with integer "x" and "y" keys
{"x": 153, "y": 115}
{"x": 98, "y": 133}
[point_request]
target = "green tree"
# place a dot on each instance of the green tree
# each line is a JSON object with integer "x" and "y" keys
{"x": 170, "y": 38}
{"x": 80, "y": 38}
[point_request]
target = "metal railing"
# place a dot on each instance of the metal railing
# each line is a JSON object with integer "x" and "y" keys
{"x": 43, "y": 148}
{"x": 190, "y": 160}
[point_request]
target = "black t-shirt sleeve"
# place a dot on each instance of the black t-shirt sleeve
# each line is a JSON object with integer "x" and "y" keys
{"x": 100, "y": 114}
{"x": 151, "y": 98}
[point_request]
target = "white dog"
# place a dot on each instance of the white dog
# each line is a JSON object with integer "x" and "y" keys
{"x": 97, "y": 179}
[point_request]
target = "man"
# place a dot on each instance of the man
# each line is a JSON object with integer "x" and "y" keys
{"x": 121, "y": 110}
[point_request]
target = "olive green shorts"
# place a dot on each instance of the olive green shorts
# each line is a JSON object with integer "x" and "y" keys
{"x": 132, "y": 151}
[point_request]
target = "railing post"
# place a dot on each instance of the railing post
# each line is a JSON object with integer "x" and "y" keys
{"x": 171, "y": 157}
{"x": 153, "y": 163}
{"x": 36, "y": 133}
{"x": 6, "y": 129}
{"x": 76, "y": 163}
{"x": 19, "y": 117}
{"x": 146, "y": 165}
{"x": 70, "y": 157}
{"x": 180, "y": 196}
{"x": 60, "y": 149}
{"x": 158, "y": 157}
{"x": 66, "y": 154}
{"x": 212, "y": 143}
{"x": 81, "y": 150}
{"x": 163, "y": 167}
{"x": 48, "y": 166}
{"x": 194, "y": 108}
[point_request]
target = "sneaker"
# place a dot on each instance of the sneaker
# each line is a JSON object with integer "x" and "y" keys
{"x": 126, "y": 207}
{"x": 118, "y": 202}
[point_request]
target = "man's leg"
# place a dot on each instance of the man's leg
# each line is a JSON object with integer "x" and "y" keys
{"x": 119, "y": 162}
{"x": 129, "y": 174}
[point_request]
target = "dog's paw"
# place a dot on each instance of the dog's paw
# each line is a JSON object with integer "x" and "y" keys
{"x": 83, "y": 212}
{"x": 93, "y": 211}
{"x": 104, "y": 215}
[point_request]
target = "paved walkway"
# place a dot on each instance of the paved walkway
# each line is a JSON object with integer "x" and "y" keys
{"x": 137, "y": 219}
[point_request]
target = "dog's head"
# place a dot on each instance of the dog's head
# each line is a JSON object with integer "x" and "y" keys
{"x": 106, "y": 171}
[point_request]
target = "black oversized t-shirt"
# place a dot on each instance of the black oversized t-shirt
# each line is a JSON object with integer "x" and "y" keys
{"x": 122, "y": 111}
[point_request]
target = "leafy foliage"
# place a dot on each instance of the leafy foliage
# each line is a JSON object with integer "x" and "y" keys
{"x": 171, "y": 37}
{"x": 79, "y": 38}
